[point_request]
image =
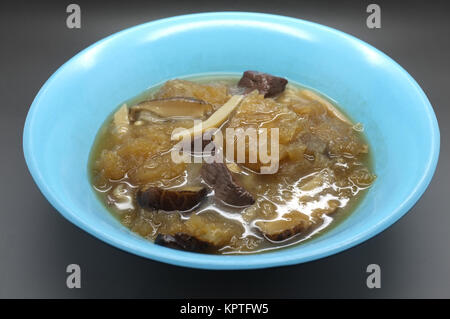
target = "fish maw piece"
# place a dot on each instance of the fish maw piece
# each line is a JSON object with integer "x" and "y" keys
{"x": 330, "y": 107}
{"x": 183, "y": 199}
{"x": 291, "y": 224}
{"x": 212, "y": 228}
{"x": 225, "y": 187}
{"x": 215, "y": 94}
{"x": 266, "y": 84}
{"x": 319, "y": 181}
{"x": 182, "y": 241}
{"x": 314, "y": 144}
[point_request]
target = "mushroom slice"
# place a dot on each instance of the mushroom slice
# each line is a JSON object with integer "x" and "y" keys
{"x": 138, "y": 116}
{"x": 291, "y": 224}
{"x": 121, "y": 120}
{"x": 330, "y": 107}
{"x": 180, "y": 199}
{"x": 183, "y": 241}
{"x": 175, "y": 107}
{"x": 225, "y": 187}
{"x": 214, "y": 121}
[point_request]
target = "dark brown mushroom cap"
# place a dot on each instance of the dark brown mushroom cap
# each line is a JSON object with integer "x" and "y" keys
{"x": 183, "y": 199}
{"x": 183, "y": 241}
{"x": 226, "y": 188}
{"x": 266, "y": 84}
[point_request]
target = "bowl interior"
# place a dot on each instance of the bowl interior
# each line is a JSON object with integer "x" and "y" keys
{"x": 67, "y": 113}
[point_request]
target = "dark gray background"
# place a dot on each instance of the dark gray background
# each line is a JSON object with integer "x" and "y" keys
{"x": 36, "y": 243}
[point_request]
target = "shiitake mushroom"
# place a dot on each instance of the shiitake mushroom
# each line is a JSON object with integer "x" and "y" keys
{"x": 281, "y": 229}
{"x": 180, "y": 199}
{"x": 183, "y": 241}
{"x": 175, "y": 107}
{"x": 226, "y": 188}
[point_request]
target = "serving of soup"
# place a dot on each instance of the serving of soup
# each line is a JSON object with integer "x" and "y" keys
{"x": 230, "y": 164}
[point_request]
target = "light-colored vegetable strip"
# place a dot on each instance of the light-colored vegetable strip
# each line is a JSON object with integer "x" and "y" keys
{"x": 214, "y": 121}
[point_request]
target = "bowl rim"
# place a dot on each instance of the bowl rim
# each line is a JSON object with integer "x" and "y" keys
{"x": 217, "y": 262}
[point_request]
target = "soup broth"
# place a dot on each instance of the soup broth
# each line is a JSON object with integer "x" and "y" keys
{"x": 323, "y": 167}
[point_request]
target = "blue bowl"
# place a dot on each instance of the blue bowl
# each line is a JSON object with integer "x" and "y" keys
{"x": 72, "y": 105}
